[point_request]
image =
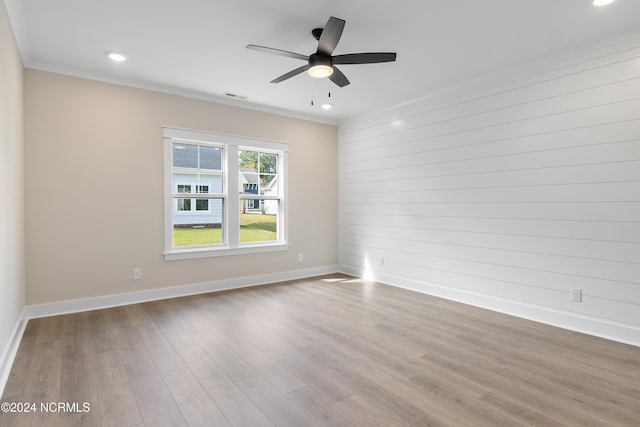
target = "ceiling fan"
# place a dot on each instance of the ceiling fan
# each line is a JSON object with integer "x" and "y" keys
{"x": 322, "y": 64}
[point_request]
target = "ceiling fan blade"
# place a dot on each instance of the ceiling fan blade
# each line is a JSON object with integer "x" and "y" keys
{"x": 364, "y": 58}
{"x": 290, "y": 74}
{"x": 279, "y": 52}
{"x": 339, "y": 78}
{"x": 330, "y": 36}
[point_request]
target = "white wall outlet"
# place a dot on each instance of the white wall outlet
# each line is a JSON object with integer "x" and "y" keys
{"x": 300, "y": 258}
{"x": 381, "y": 260}
{"x": 576, "y": 294}
{"x": 137, "y": 274}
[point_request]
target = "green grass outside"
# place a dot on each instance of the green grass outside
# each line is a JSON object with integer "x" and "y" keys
{"x": 196, "y": 236}
{"x": 253, "y": 228}
{"x": 258, "y": 228}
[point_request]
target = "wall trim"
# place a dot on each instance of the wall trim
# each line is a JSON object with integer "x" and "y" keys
{"x": 589, "y": 325}
{"x": 116, "y": 300}
{"x": 6, "y": 362}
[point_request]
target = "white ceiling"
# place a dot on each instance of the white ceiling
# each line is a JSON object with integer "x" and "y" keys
{"x": 197, "y": 47}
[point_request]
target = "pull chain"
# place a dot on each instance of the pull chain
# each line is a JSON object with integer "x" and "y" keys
{"x": 313, "y": 92}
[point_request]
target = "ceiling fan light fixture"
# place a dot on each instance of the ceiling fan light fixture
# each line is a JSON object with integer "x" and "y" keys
{"x": 320, "y": 71}
{"x": 320, "y": 66}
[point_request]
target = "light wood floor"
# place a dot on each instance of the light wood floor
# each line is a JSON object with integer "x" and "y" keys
{"x": 332, "y": 351}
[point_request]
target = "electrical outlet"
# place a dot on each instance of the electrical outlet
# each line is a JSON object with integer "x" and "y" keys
{"x": 576, "y": 294}
{"x": 381, "y": 260}
{"x": 300, "y": 258}
{"x": 137, "y": 274}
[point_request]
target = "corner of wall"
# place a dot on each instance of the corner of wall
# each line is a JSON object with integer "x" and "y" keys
{"x": 12, "y": 254}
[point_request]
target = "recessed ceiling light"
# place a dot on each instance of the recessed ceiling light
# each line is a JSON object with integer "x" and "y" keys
{"x": 602, "y": 2}
{"x": 327, "y": 106}
{"x": 115, "y": 56}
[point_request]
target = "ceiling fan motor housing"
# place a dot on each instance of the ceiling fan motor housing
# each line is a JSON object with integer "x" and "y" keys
{"x": 320, "y": 59}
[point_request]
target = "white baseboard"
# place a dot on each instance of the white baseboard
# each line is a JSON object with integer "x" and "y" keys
{"x": 6, "y": 362}
{"x": 115, "y": 300}
{"x": 619, "y": 332}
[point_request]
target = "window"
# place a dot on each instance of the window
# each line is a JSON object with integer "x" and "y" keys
{"x": 204, "y": 216}
{"x": 258, "y": 172}
{"x": 184, "y": 204}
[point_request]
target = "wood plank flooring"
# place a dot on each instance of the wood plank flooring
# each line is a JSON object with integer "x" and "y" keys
{"x": 327, "y": 351}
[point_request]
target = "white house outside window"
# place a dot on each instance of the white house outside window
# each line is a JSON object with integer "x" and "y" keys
{"x": 204, "y": 216}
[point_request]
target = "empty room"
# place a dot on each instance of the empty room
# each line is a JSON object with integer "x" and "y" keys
{"x": 337, "y": 213}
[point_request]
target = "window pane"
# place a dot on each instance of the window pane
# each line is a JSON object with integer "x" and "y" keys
{"x": 197, "y": 156}
{"x": 197, "y": 235}
{"x": 210, "y": 158}
{"x": 199, "y": 228}
{"x": 202, "y": 204}
{"x": 268, "y": 163}
{"x": 258, "y": 226}
{"x": 197, "y": 169}
{"x": 258, "y": 173}
{"x": 269, "y": 185}
{"x": 184, "y": 205}
{"x": 248, "y": 159}
{"x": 249, "y": 181}
{"x": 185, "y": 155}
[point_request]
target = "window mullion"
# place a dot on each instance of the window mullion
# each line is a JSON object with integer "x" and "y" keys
{"x": 283, "y": 213}
{"x": 168, "y": 201}
{"x": 232, "y": 207}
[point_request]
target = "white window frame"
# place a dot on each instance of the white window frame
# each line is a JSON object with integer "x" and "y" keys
{"x": 231, "y": 197}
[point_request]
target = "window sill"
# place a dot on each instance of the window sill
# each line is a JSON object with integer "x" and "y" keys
{"x": 193, "y": 253}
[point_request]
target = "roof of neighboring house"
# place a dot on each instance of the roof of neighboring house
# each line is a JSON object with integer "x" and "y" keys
{"x": 249, "y": 176}
{"x": 272, "y": 184}
{"x": 197, "y": 156}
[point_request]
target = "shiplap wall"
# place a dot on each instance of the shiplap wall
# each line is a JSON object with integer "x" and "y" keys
{"x": 507, "y": 197}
